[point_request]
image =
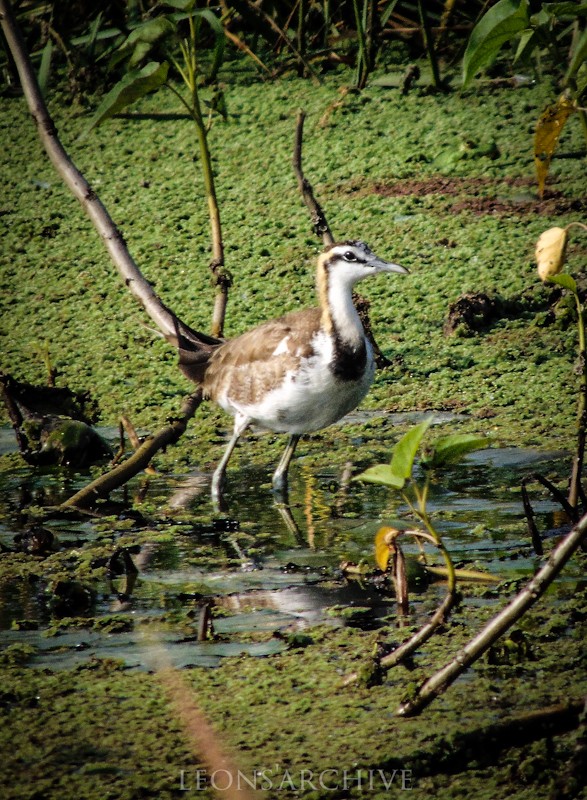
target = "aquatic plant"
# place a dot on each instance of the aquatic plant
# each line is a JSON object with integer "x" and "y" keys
{"x": 550, "y": 257}
{"x": 556, "y": 29}
{"x": 399, "y": 475}
{"x": 161, "y": 38}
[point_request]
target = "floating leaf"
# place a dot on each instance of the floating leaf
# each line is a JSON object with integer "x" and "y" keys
{"x": 383, "y": 475}
{"x": 550, "y": 252}
{"x": 451, "y": 449}
{"x": 503, "y": 22}
{"x": 404, "y": 453}
{"x": 134, "y": 85}
{"x": 548, "y": 130}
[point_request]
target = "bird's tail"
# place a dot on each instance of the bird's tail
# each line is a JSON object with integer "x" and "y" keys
{"x": 194, "y": 349}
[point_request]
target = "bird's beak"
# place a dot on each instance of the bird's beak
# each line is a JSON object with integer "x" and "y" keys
{"x": 387, "y": 266}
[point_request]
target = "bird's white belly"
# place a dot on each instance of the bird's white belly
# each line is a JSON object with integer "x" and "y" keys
{"x": 307, "y": 399}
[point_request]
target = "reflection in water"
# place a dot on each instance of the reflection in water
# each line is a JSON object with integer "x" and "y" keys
{"x": 268, "y": 567}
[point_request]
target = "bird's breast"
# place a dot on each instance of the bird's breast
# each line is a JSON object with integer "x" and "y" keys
{"x": 318, "y": 391}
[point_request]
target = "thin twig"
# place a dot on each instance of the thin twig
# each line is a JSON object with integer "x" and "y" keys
{"x": 317, "y": 215}
{"x": 557, "y": 495}
{"x": 529, "y": 512}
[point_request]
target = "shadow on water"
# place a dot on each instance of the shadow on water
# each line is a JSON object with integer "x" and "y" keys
{"x": 264, "y": 574}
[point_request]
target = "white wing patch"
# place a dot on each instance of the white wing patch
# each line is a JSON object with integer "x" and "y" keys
{"x": 282, "y": 347}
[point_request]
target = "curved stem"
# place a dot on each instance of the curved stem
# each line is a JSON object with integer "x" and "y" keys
{"x": 443, "y": 610}
{"x": 581, "y": 411}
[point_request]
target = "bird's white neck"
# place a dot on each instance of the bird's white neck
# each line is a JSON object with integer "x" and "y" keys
{"x": 339, "y": 315}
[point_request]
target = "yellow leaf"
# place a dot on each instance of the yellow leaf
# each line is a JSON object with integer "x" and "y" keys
{"x": 383, "y": 539}
{"x": 550, "y": 252}
{"x": 548, "y": 131}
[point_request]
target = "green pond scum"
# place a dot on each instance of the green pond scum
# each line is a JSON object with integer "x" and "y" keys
{"x": 440, "y": 183}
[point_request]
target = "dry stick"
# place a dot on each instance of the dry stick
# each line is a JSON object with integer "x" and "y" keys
{"x": 442, "y": 679}
{"x": 319, "y": 222}
{"x": 139, "y": 460}
{"x": 532, "y": 528}
{"x": 135, "y": 440}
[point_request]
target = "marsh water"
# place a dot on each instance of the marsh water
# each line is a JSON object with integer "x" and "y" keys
{"x": 266, "y": 571}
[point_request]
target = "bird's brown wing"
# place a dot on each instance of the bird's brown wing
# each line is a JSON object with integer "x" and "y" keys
{"x": 246, "y": 367}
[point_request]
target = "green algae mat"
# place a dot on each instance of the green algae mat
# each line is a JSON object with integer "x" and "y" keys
{"x": 106, "y": 690}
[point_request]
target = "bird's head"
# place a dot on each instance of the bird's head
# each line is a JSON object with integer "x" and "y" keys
{"x": 354, "y": 260}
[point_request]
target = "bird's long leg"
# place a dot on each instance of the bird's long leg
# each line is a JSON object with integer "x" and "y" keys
{"x": 240, "y": 425}
{"x": 280, "y": 474}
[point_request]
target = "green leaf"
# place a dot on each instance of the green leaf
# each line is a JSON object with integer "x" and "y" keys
{"x": 564, "y": 280}
{"x": 578, "y": 56}
{"x": 134, "y": 85}
{"x": 404, "y": 452}
{"x": 450, "y": 449}
{"x": 220, "y": 40}
{"x": 94, "y": 31}
{"x": 381, "y": 474}
{"x": 151, "y": 31}
{"x": 140, "y": 54}
{"x": 181, "y": 5}
{"x": 570, "y": 9}
{"x": 502, "y": 23}
{"x": 528, "y": 41}
{"x": 45, "y": 67}
{"x": 142, "y": 40}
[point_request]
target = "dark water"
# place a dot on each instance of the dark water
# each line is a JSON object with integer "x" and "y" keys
{"x": 268, "y": 569}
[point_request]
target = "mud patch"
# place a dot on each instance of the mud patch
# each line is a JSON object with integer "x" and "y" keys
{"x": 485, "y": 195}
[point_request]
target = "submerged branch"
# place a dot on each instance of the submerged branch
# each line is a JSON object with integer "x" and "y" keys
{"x": 139, "y": 460}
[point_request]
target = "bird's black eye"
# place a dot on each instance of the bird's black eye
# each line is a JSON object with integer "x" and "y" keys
{"x": 349, "y": 256}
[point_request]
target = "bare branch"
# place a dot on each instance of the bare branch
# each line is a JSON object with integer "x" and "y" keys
{"x": 139, "y": 287}
{"x": 319, "y": 222}
{"x": 140, "y": 459}
{"x": 497, "y": 626}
